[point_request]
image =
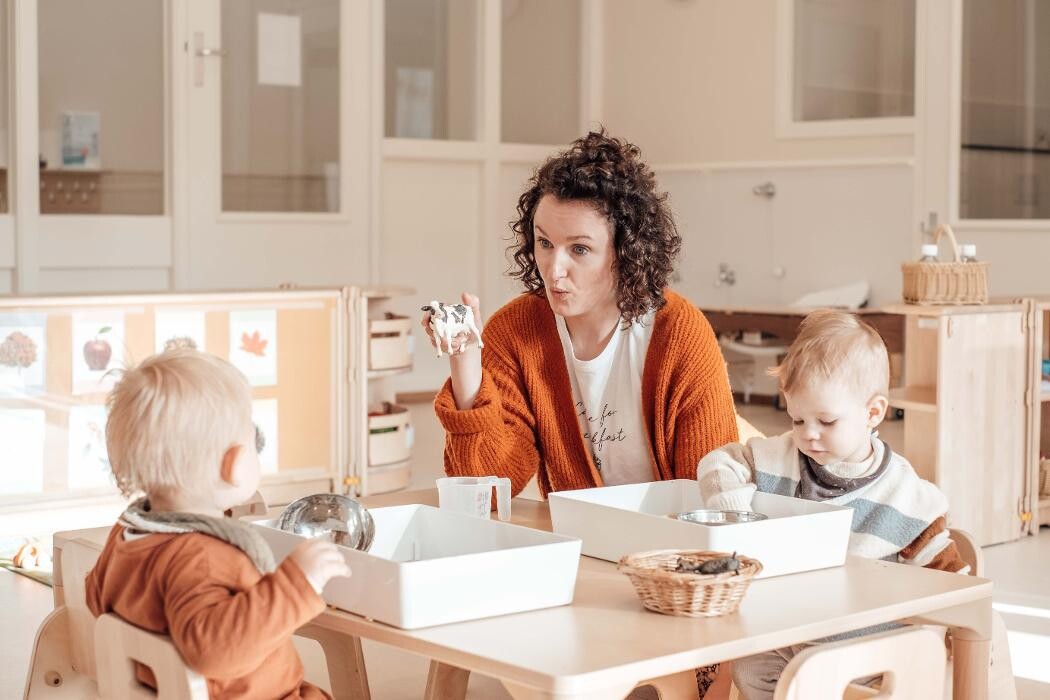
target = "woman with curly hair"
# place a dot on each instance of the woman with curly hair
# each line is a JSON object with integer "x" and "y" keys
{"x": 597, "y": 374}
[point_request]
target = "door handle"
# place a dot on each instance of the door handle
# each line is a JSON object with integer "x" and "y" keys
{"x": 201, "y": 52}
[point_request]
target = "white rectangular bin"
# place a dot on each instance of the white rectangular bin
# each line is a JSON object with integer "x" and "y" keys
{"x": 430, "y": 567}
{"x": 390, "y": 342}
{"x": 613, "y": 521}
{"x": 390, "y": 435}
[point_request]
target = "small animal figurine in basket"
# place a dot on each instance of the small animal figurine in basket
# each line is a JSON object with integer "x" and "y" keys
{"x": 449, "y": 320}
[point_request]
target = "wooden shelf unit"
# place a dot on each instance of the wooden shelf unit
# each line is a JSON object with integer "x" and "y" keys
{"x": 1039, "y": 424}
{"x": 914, "y": 398}
{"x": 372, "y": 387}
{"x": 965, "y": 380}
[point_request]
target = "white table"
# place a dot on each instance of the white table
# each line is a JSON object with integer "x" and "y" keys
{"x": 606, "y": 642}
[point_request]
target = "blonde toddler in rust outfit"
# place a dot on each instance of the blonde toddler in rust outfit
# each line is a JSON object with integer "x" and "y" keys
{"x": 180, "y": 432}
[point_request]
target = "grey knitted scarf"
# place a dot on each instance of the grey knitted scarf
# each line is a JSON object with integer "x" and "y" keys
{"x": 138, "y": 518}
{"x": 819, "y": 484}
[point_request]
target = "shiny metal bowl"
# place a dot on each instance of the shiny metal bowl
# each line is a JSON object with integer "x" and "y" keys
{"x": 719, "y": 517}
{"x": 333, "y": 516}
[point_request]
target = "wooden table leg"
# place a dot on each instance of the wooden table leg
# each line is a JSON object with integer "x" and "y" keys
{"x": 345, "y": 660}
{"x": 971, "y": 626}
{"x": 445, "y": 682}
{"x": 970, "y": 666}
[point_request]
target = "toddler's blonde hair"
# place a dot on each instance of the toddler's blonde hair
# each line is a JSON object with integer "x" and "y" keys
{"x": 172, "y": 418}
{"x": 836, "y": 345}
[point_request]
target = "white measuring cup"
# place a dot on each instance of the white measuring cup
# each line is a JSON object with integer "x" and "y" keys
{"x": 473, "y": 495}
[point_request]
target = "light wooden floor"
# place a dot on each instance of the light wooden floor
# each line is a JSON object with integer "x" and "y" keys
{"x": 1021, "y": 571}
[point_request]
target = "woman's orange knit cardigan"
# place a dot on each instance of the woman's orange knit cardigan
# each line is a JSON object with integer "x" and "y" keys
{"x": 524, "y": 421}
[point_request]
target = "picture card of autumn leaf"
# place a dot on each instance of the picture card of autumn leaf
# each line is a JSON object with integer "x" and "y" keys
{"x": 253, "y": 345}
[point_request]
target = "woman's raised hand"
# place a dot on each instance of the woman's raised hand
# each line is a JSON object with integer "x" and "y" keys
{"x": 464, "y": 354}
{"x": 463, "y": 339}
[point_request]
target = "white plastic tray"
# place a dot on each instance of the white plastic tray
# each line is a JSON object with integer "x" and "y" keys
{"x": 431, "y": 567}
{"x": 613, "y": 521}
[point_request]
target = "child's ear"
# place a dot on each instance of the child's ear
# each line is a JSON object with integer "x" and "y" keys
{"x": 227, "y": 469}
{"x": 877, "y": 408}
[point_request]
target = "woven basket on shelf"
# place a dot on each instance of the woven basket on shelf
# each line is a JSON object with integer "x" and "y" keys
{"x": 1044, "y": 477}
{"x": 952, "y": 282}
{"x": 664, "y": 590}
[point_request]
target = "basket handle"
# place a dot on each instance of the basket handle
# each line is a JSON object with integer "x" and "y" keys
{"x": 945, "y": 229}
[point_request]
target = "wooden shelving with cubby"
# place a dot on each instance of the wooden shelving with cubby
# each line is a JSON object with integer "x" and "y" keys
{"x": 1037, "y": 498}
{"x": 383, "y": 351}
{"x": 965, "y": 415}
{"x": 914, "y": 398}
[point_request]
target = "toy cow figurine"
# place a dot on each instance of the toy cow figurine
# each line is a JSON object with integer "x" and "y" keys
{"x": 449, "y": 320}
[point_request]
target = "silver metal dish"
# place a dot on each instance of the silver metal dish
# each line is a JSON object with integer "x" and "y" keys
{"x": 333, "y": 516}
{"x": 719, "y": 517}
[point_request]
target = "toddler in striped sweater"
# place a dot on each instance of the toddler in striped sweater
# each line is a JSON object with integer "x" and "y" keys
{"x": 835, "y": 381}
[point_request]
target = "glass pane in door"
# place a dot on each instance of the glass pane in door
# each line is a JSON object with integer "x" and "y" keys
{"x": 431, "y": 69}
{"x": 1004, "y": 165}
{"x": 5, "y": 141}
{"x": 540, "y": 99}
{"x": 280, "y": 106}
{"x": 854, "y": 59}
{"x": 101, "y": 107}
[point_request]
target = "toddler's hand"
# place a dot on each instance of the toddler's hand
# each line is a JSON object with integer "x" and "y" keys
{"x": 320, "y": 561}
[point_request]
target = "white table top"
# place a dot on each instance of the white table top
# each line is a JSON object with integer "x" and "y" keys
{"x": 605, "y": 637}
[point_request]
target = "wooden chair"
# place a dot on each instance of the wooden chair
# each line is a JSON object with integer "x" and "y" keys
{"x": 118, "y": 645}
{"x": 969, "y": 552}
{"x": 67, "y": 660}
{"x": 911, "y": 661}
{"x": 1001, "y": 683}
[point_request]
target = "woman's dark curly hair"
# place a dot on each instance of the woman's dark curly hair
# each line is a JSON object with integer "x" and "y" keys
{"x": 609, "y": 173}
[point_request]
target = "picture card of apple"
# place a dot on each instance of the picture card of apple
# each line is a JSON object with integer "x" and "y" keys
{"x": 98, "y": 347}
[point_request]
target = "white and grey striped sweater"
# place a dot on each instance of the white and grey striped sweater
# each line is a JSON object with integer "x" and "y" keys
{"x": 896, "y": 514}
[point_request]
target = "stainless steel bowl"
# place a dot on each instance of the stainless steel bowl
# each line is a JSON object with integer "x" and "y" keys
{"x": 333, "y": 516}
{"x": 719, "y": 517}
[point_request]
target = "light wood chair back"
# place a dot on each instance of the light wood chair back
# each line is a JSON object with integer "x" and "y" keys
{"x": 745, "y": 430}
{"x": 118, "y": 645}
{"x": 911, "y": 661}
{"x": 969, "y": 552}
{"x": 254, "y": 506}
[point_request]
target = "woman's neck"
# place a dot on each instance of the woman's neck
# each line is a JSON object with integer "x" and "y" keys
{"x": 591, "y": 332}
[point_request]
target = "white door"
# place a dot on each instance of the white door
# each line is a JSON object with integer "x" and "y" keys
{"x": 275, "y": 183}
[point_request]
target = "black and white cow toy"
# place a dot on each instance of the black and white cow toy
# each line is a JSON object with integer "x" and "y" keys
{"x": 449, "y": 320}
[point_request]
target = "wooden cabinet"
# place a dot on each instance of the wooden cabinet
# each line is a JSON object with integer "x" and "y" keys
{"x": 966, "y": 418}
{"x": 1038, "y": 396}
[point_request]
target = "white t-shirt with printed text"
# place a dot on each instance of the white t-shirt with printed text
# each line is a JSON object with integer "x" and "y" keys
{"x": 607, "y": 394}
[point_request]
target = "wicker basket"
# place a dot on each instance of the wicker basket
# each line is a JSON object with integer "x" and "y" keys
{"x": 1044, "y": 477}
{"x": 945, "y": 282}
{"x": 664, "y": 590}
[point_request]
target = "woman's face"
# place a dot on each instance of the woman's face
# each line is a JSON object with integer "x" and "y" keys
{"x": 575, "y": 256}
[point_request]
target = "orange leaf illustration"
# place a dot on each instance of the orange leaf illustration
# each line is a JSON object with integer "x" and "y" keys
{"x": 253, "y": 343}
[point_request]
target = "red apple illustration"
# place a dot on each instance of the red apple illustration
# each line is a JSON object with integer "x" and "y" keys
{"x": 97, "y": 351}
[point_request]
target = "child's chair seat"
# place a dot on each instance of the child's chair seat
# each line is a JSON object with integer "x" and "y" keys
{"x": 911, "y": 660}
{"x": 118, "y": 645}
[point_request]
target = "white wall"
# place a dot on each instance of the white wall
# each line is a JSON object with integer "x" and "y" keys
{"x": 540, "y": 101}
{"x": 430, "y": 228}
{"x": 822, "y": 229}
{"x": 694, "y": 81}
